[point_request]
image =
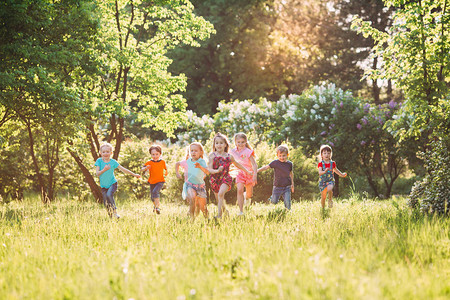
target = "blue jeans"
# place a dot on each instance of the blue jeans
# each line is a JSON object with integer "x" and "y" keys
{"x": 108, "y": 196}
{"x": 284, "y": 191}
{"x": 155, "y": 189}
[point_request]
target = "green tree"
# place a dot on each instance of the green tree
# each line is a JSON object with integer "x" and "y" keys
{"x": 230, "y": 65}
{"x": 132, "y": 82}
{"x": 415, "y": 54}
{"x": 42, "y": 42}
{"x": 417, "y": 41}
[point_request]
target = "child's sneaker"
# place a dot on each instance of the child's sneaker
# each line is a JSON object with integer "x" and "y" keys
{"x": 240, "y": 214}
{"x": 157, "y": 210}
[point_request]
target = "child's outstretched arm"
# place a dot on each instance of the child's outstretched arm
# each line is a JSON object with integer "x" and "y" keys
{"x": 336, "y": 170}
{"x": 145, "y": 168}
{"x": 266, "y": 167}
{"x": 177, "y": 168}
{"x": 98, "y": 172}
{"x": 210, "y": 165}
{"x": 237, "y": 164}
{"x": 255, "y": 170}
{"x": 321, "y": 172}
{"x": 205, "y": 170}
{"x": 125, "y": 170}
{"x": 292, "y": 181}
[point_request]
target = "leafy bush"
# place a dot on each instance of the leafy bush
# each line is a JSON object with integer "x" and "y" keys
{"x": 432, "y": 194}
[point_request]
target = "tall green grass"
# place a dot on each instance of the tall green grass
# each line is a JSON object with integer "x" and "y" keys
{"x": 359, "y": 250}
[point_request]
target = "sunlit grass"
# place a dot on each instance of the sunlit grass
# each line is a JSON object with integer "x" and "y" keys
{"x": 359, "y": 250}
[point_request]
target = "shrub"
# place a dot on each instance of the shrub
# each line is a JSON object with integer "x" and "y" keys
{"x": 432, "y": 194}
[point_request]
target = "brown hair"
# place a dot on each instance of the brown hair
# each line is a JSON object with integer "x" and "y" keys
{"x": 241, "y": 135}
{"x": 323, "y": 148}
{"x": 283, "y": 149}
{"x": 219, "y": 135}
{"x": 155, "y": 147}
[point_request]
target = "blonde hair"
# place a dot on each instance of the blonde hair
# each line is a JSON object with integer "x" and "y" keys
{"x": 196, "y": 144}
{"x": 283, "y": 149}
{"x": 106, "y": 145}
{"x": 323, "y": 148}
{"x": 241, "y": 135}
{"x": 219, "y": 135}
{"x": 155, "y": 147}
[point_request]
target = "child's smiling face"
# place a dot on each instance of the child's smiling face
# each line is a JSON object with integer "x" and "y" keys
{"x": 326, "y": 154}
{"x": 240, "y": 143}
{"x": 106, "y": 152}
{"x": 219, "y": 144}
{"x": 155, "y": 154}
{"x": 282, "y": 156}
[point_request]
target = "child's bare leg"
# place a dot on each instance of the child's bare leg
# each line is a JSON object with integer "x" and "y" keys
{"x": 240, "y": 195}
{"x": 201, "y": 202}
{"x": 324, "y": 196}
{"x": 191, "y": 197}
{"x": 248, "y": 193}
{"x": 221, "y": 199}
{"x": 330, "y": 195}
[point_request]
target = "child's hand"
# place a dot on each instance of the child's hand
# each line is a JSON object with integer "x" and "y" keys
{"x": 106, "y": 168}
{"x": 197, "y": 165}
{"x": 292, "y": 188}
{"x": 344, "y": 175}
{"x": 220, "y": 169}
{"x": 255, "y": 179}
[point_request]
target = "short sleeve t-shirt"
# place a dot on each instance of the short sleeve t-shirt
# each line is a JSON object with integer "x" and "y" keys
{"x": 107, "y": 179}
{"x": 243, "y": 157}
{"x": 191, "y": 173}
{"x": 156, "y": 172}
{"x": 282, "y": 172}
{"x": 327, "y": 165}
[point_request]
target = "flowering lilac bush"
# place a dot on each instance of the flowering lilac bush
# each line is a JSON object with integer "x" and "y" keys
{"x": 323, "y": 114}
{"x": 238, "y": 116}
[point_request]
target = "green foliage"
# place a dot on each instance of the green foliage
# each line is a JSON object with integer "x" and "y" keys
{"x": 71, "y": 249}
{"x": 417, "y": 41}
{"x": 432, "y": 194}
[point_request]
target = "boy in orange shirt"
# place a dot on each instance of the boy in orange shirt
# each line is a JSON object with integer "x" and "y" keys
{"x": 157, "y": 170}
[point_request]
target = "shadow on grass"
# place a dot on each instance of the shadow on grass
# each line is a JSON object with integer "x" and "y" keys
{"x": 277, "y": 215}
{"x": 325, "y": 213}
{"x": 12, "y": 216}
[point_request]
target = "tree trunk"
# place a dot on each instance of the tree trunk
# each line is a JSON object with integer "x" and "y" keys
{"x": 372, "y": 183}
{"x": 41, "y": 182}
{"x": 375, "y": 87}
{"x": 88, "y": 178}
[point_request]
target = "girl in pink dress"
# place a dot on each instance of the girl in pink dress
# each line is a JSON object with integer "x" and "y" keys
{"x": 220, "y": 161}
{"x": 245, "y": 155}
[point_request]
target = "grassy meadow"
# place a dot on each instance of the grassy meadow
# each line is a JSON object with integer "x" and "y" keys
{"x": 362, "y": 249}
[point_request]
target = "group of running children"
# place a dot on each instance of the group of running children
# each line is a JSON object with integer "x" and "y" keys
{"x": 218, "y": 167}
